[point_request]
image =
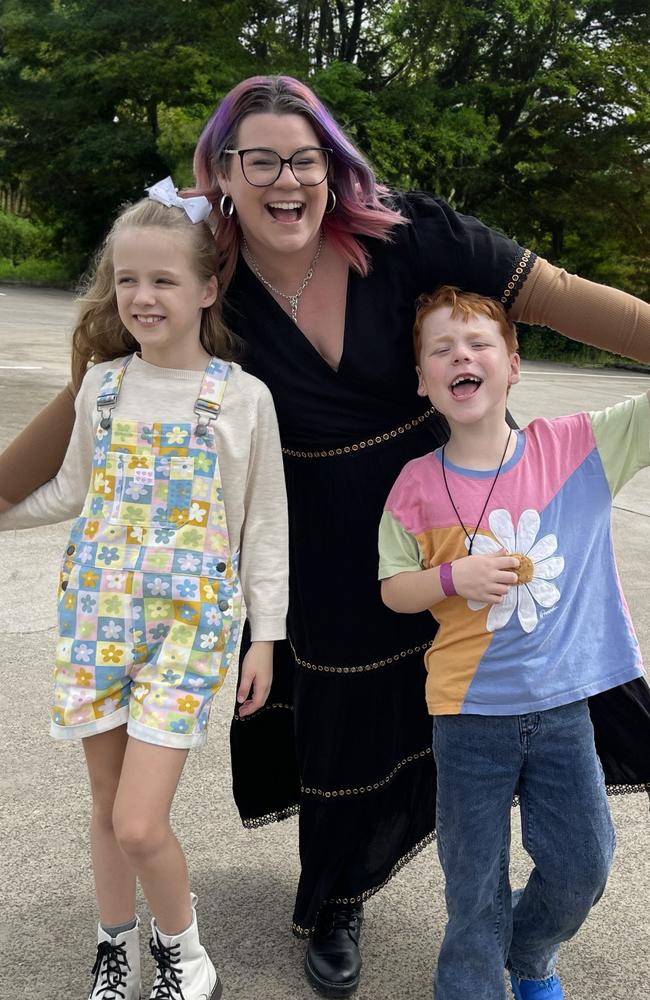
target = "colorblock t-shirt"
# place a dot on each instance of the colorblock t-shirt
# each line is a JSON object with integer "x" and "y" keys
{"x": 563, "y": 634}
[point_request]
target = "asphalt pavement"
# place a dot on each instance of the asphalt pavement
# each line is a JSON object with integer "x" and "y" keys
{"x": 246, "y": 879}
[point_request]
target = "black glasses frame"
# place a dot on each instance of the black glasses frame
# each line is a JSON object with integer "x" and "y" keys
{"x": 266, "y": 149}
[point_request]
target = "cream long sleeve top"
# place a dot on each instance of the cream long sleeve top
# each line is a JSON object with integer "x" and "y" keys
{"x": 250, "y": 460}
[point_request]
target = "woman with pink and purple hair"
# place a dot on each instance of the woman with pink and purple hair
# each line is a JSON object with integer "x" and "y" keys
{"x": 321, "y": 269}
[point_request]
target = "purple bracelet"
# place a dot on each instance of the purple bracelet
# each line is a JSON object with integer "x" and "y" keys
{"x": 447, "y": 580}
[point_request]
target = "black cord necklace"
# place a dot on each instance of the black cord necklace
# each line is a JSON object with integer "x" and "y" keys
{"x": 487, "y": 499}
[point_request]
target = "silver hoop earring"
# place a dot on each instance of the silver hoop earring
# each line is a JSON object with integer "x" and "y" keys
{"x": 226, "y": 214}
{"x": 330, "y": 191}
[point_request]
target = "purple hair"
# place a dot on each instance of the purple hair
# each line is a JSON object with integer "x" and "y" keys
{"x": 359, "y": 210}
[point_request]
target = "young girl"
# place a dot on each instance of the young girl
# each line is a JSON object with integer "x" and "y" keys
{"x": 186, "y": 499}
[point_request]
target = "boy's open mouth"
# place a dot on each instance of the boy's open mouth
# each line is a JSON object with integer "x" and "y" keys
{"x": 465, "y": 386}
{"x": 286, "y": 211}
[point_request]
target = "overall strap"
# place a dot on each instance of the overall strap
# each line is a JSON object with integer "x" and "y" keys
{"x": 110, "y": 390}
{"x": 213, "y": 387}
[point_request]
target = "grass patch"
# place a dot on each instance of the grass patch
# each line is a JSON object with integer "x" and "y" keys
{"x": 538, "y": 343}
{"x": 36, "y": 271}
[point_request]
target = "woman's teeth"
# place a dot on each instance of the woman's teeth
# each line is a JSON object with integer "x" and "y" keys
{"x": 286, "y": 211}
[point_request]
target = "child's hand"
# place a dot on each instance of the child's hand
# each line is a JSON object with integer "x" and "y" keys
{"x": 256, "y": 677}
{"x": 485, "y": 578}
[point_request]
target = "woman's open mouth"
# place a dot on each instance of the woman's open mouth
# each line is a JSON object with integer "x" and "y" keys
{"x": 286, "y": 211}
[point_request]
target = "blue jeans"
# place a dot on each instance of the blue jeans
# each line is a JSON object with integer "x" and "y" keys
{"x": 567, "y": 830}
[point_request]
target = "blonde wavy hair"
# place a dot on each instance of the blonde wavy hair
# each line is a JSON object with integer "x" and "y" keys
{"x": 100, "y": 335}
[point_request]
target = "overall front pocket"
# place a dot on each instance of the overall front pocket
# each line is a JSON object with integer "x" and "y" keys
{"x": 149, "y": 490}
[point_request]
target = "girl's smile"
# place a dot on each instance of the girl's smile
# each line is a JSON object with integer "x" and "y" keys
{"x": 159, "y": 298}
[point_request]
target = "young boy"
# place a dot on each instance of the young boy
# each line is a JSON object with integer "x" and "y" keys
{"x": 505, "y": 536}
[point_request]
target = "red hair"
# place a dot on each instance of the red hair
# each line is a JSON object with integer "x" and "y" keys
{"x": 463, "y": 305}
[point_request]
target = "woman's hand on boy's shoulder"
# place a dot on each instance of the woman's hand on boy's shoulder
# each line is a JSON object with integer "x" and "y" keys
{"x": 485, "y": 578}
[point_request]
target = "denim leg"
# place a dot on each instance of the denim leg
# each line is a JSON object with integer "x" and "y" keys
{"x": 478, "y": 760}
{"x": 568, "y": 832}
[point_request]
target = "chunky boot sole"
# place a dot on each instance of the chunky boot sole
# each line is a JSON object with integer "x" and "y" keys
{"x": 327, "y": 989}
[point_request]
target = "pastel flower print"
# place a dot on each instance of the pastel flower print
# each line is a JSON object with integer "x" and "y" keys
{"x": 159, "y": 631}
{"x": 135, "y": 491}
{"x": 107, "y": 706}
{"x": 158, "y": 587}
{"x": 539, "y": 566}
{"x": 176, "y": 435}
{"x": 179, "y": 726}
{"x": 112, "y": 630}
{"x": 111, "y": 654}
{"x": 209, "y": 640}
{"x": 188, "y": 563}
{"x": 107, "y": 555}
{"x": 188, "y": 704}
{"x": 196, "y": 513}
{"x": 83, "y": 654}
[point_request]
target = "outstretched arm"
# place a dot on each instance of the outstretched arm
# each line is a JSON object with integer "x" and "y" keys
{"x": 61, "y": 497}
{"x": 37, "y": 453}
{"x": 585, "y": 311}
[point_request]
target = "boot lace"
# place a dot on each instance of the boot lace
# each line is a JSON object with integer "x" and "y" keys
{"x": 112, "y": 966}
{"x": 168, "y": 979}
{"x": 346, "y": 918}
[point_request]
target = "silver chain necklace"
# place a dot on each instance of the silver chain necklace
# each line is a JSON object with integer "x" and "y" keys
{"x": 294, "y": 299}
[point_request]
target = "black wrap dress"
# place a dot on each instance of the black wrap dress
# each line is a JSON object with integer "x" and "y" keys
{"x": 345, "y": 736}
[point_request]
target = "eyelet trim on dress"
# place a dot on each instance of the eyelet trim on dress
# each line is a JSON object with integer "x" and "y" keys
{"x": 351, "y": 449}
{"x": 326, "y": 669}
{"x": 519, "y": 275}
{"x": 363, "y": 789}
{"x": 305, "y": 932}
{"x": 274, "y": 817}
{"x": 627, "y": 789}
{"x": 261, "y": 711}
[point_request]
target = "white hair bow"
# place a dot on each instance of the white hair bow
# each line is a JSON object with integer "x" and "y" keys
{"x": 197, "y": 209}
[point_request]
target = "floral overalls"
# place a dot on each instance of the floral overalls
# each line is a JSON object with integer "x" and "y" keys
{"x": 150, "y": 600}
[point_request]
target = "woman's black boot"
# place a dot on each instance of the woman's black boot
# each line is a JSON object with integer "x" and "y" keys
{"x": 333, "y": 959}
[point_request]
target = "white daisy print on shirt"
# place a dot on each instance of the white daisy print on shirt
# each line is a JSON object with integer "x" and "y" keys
{"x": 538, "y": 567}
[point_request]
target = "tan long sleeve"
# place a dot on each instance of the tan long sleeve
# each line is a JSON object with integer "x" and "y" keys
{"x": 35, "y": 456}
{"x": 584, "y": 310}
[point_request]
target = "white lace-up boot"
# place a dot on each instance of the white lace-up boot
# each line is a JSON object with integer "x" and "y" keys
{"x": 183, "y": 968}
{"x": 117, "y": 966}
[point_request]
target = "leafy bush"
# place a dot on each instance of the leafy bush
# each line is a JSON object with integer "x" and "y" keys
{"x": 36, "y": 271}
{"x": 20, "y": 238}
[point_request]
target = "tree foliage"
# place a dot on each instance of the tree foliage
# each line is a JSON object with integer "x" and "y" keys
{"x": 533, "y": 115}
